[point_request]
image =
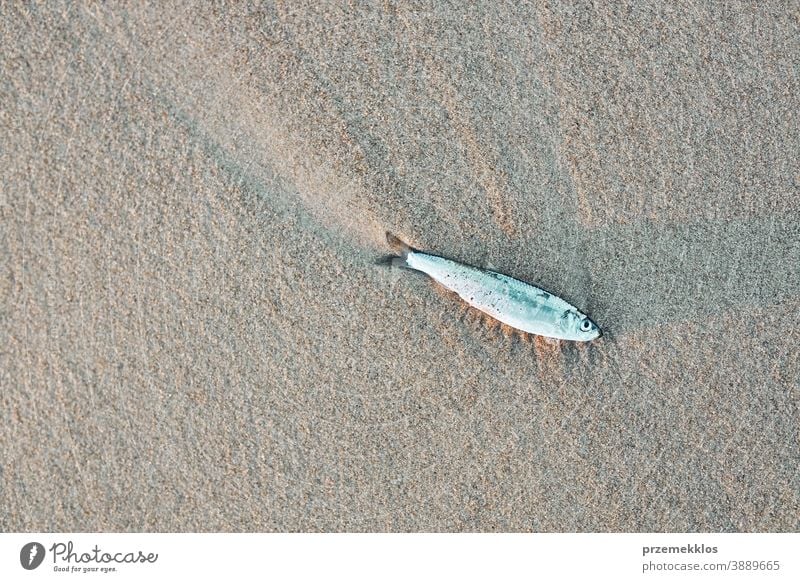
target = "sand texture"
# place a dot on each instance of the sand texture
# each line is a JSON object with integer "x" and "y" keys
{"x": 194, "y": 335}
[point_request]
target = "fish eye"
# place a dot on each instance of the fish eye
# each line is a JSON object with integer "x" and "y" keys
{"x": 586, "y": 325}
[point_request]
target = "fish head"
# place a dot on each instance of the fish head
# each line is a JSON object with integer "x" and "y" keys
{"x": 577, "y": 326}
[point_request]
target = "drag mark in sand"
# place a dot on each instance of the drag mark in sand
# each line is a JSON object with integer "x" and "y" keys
{"x": 486, "y": 172}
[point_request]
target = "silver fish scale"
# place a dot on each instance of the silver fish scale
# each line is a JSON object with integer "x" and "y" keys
{"x": 508, "y": 300}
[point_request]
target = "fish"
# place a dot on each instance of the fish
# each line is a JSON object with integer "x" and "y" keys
{"x": 513, "y": 302}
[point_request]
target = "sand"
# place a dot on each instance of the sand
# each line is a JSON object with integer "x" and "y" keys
{"x": 194, "y": 335}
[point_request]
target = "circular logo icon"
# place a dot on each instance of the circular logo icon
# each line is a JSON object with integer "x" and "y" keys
{"x": 31, "y": 555}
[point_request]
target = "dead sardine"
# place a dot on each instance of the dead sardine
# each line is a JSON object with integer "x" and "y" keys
{"x": 506, "y": 299}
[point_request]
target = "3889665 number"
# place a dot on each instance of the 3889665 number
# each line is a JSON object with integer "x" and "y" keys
{"x": 756, "y": 565}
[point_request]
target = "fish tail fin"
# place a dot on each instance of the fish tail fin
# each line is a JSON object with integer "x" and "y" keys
{"x": 392, "y": 261}
{"x": 401, "y": 248}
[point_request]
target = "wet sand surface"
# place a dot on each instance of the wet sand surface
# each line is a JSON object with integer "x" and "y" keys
{"x": 194, "y": 335}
